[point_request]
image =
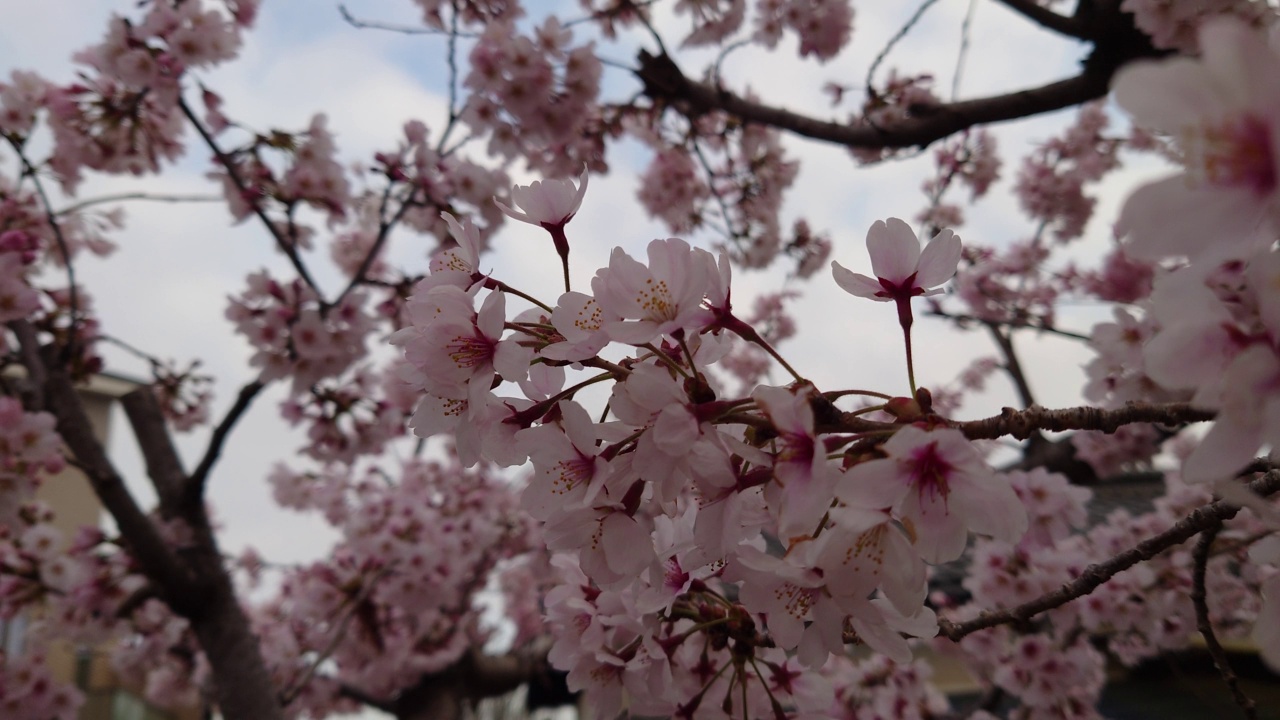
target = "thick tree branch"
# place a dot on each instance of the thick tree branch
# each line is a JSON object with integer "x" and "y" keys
{"x": 193, "y": 493}
{"x": 164, "y": 467}
{"x": 663, "y": 81}
{"x": 1116, "y": 42}
{"x": 473, "y": 677}
{"x": 145, "y": 543}
{"x": 1200, "y": 599}
{"x": 1048, "y": 19}
{"x": 1198, "y": 520}
{"x": 1022, "y": 424}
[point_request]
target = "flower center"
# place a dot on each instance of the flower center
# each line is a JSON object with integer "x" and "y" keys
{"x": 1234, "y": 152}
{"x": 930, "y": 472}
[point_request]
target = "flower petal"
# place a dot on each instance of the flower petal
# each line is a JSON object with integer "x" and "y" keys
{"x": 894, "y": 249}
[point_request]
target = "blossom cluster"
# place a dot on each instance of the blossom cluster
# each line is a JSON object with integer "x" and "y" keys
{"x": 685, "y": 512}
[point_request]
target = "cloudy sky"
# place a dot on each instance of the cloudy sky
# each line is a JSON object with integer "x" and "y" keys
{"x": 165, "y": 289}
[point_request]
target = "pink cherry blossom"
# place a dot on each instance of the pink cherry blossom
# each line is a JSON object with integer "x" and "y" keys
{"x": 546, "y": 203}
{"x": 1224, "y": 108}
{"x": 664, "y": 298}
{"x": 902, "y": 270}
{"x": 941, "y": 489}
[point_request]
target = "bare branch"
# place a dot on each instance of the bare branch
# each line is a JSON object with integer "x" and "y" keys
{"x": 73, "y": 288}
{"x": 355, "y": 22}
{"x": 1198, "y": 520}
{"x": 1200, "y": 599}
{"x": 194, "y": 491}
{"x": 288, "y": 248}
{"x": 164, "y": 467}
{"x": 76, "y": 430}
{"x": 1022, "y": 424}
{"x": 121, "y": 197}
{"x": 1048, "y": 19}
{"x": 1012, "y": 366}
{"x": 1116, "y": 44}
{"x": 963, "y": 320}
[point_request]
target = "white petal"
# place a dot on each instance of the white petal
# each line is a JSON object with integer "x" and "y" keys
{"x": 1168, "y": 218}
{"x": 939, "y": 259}
{"x": 1166, "y": 95}
{"x": 856, "y": 284}
{"x": 894, "y": 249}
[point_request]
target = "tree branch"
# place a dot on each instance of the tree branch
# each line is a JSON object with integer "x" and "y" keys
{"x": 193, "y": 492}
{"x": 1117, "y": 42}
{"x": 1198, "y": 520}
{"x": 1021, "y": 424}
{"x": 164, "y": 467}
{"x": 227, "y": 164}
{"x": 1200, "y": 599}
{"x": 1011, "y": 364}
{"x": 1048, "y": 19}
{"x": 145, "y": 543}
{"x": 120, "y": 197}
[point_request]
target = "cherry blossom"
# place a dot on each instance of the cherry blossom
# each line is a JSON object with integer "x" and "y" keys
{"x": 941, "y": 488}
{"x": 1222, "y": 107}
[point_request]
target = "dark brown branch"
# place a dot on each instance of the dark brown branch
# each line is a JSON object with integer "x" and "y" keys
{"x": 1197, "y": 521}
{"x": 144, "y": 540}
{"x": 664, "y": 81}
{"x": 1116, "y": 42}
{"x": 1048, "y": 19}
{"x": 475, "y": 676}
{"x": 32, "y": 389}
{"x": 1021, "y": 424}
{"x": 164, "y": 467}
{"x": 51, "y": 217}
{"x": 1012, "y": 367}
{"x": 193, "y": 493}
{"x": 1200, "y": 599}
{"x": 288, "y": 248}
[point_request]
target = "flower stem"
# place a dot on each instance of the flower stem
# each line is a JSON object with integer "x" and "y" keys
{"x": 905, "y": 320}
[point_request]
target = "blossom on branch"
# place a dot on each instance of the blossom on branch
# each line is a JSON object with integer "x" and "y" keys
{"x": 939, "y": 486}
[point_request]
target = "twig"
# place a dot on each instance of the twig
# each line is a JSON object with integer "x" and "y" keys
{"x": 194, "y": 490}
{"x": 1200, "y": 599}
{"x": 1012, "y": 367}
{"x": 288, "y": 248}
{"x": 355, "y": 22}
{"x": 965, "y": 27}
{"x": 1197, "y": 521}
{"x": 897, "y": 38}
{"x": 291, "y": 693}
{"x": 962, "y": 319}
{"x": 51, "y": 217}
{"x": 120, "y": 197}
